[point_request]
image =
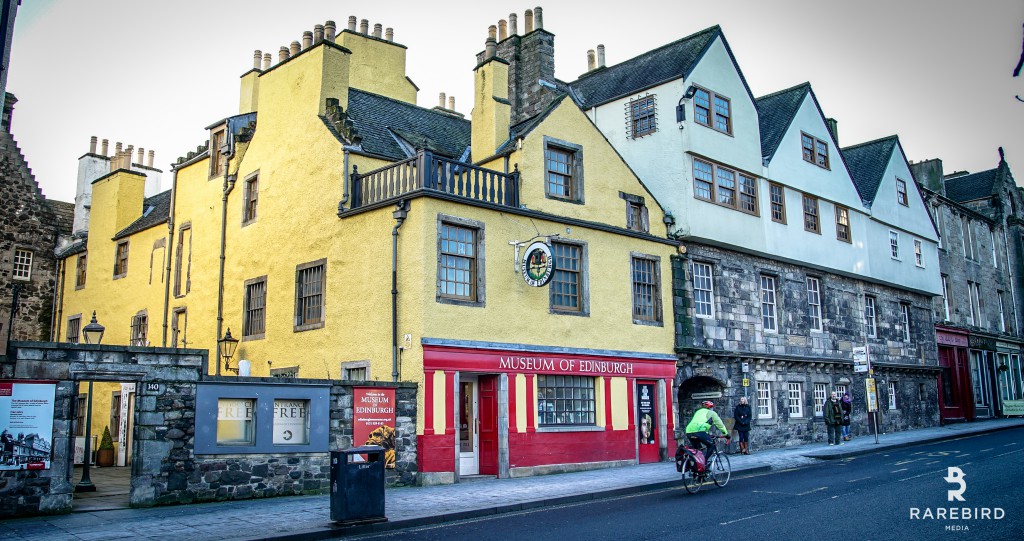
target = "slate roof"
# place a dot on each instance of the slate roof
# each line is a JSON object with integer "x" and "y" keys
{"x": 971, "y": 187}
{"x": 867, "y": 163}
{"x": 525, "y": 127}
{"x": 76, "y": 247}
{"x": 155, "y": 211}
{"x": 668, "y": 62}
{"x": 65, "y": 214}
{"x": 775, "y": 113}
{"x": 379, "y": 120}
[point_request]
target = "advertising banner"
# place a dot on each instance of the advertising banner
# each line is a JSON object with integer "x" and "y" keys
{"x": 373, "y": 420}
{"x": 26, "y": 425}
{"x": 872, "y": 394}
{"x": 645, "y": 413}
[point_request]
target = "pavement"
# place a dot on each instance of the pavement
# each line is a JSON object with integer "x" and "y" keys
{"x": 308, "y": 517}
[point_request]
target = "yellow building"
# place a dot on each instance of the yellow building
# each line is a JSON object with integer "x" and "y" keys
{"x": 514, "y": 267}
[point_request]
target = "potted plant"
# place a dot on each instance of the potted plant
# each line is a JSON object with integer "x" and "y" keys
{"x": 105, "y": 454}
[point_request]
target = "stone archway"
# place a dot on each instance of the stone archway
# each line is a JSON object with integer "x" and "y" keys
{"x": 693, "y": 391}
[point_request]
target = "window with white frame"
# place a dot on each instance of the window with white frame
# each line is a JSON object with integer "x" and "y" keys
{"x": 894, "y": 244}
{"x": 963, "y": 235}
{"x": 969, "y": 239}
{"x": 768, "y": 314}
{"x": 703, "y": 290}
{"x": 918, "y": 253}
{"x": 566, "y": 400}
{"x": 22, "y": 265}
{"x": 992, "y": 237}
{"x": 892, "y": 395}
{"x": 796, "y": 400}
{"x": 869, "y": 317}
{"x": 976, "y": 315}
{"x": 820, "y": 390}
{"x": 937, "y": 213}
{"x": 764, "y": 400}
{"x": 905, "y": 320}
{"x": 1002, "y": 312}
{"x": 840, "y": 389}
{"x": 814, "y": 303}
{"x": 945, "y": 296}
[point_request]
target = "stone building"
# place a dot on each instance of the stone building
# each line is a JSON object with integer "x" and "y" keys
{"x": 978, "y": 316}
{"x": 30, "y": 229}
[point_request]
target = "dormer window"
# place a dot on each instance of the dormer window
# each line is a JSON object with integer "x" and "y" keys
{"x": 901, "y": 192}
{"x": 216, "y": 158}
{"x": 815, "y": 150}
{"x": 713, "y": 111}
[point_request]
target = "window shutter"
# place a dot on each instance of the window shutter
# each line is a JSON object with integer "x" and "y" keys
{"x": 645, "y": 220}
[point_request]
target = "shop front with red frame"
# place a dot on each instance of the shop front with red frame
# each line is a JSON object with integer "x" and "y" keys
{"x": 956, "y": 402}
{"x": 513, "y": 410}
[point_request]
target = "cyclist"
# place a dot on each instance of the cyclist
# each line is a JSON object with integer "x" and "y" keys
{"x": 697, "y": 429}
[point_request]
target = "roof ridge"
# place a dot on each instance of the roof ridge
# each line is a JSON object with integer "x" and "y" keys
{"x": 407, "y": 104}
{"x": 714, "y": 28}
{"x": 783, "y": 91}
{"x": 879, "y": 140}
{"x": 966, "y": 174}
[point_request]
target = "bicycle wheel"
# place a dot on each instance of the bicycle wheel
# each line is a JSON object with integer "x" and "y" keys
{"x": 691, "y": 479}
{"x": 721, "y": 470}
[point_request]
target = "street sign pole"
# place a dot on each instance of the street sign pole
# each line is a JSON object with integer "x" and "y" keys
{"x": 871, "y": 376}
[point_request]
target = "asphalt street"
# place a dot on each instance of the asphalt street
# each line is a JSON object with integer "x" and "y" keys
{"x": 871, "y": 496}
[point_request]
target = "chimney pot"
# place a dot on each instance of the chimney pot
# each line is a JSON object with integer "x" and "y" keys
{"x": 256, "y": 56}
{"x": 149, "y": 161}
{"x": 590, "y": 60}
{"x": 492, "y": 32}
{"x": 267, "y": 59}
{"x": 330, "y": 31}
{"x": 490, "y": 48}
{"x": 451, "y": 103}
{"x": 389, "y": 34}
{"x": 600, "y": 56}
{"x": 502, "y": 30}
{"x": 442, "y": 100}
{"x": 307, "y": 41}
{"x": 142, "y": 155}
{"x": 352, "y": 23}
{"x": 92, "y": 145}
{"x": 282, "y": 55}
{"x": 377, "y": 30}
{"x": 104, "y": 147}
{"x": 318, "y": 33}
{"x": 538, "y": 16}
{"x": 529, "y": 21}
{"x": 117, "y": 148}
{"x": 364, "y": 26}
{"x": 512, "y": 24}
{"x": 295, "y": 48}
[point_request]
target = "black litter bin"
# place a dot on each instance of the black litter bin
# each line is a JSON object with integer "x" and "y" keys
{"x": 357, "y": 485}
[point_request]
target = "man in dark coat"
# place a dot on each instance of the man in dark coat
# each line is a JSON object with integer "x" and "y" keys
{"x": 741, "y": 413}
{"x": 833, "y": 419}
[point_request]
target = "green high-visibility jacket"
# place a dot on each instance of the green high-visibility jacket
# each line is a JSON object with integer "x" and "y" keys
{"x": 702, "y": 421}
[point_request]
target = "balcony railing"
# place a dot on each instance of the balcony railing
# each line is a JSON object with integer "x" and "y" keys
{"x": 429, "y": 172}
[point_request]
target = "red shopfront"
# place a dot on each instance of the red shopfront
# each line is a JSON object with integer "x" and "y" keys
{"x": 512, "y": 412}
{"x": 955, "y": 396}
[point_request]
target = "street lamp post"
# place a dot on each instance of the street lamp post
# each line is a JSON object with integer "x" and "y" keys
{"x": 226, "y": 346}
{"x": 93, "y": 334}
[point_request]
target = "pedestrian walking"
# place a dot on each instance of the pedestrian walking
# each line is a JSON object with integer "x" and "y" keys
{"x": 833, "y": 419}
{"x": 847, "y": 404}
{"x": 741, "y": 414}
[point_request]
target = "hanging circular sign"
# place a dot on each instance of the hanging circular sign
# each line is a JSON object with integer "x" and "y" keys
{"x": 537, "y": 265}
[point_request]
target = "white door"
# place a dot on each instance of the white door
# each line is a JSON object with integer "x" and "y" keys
{"x": 469, "y": 423}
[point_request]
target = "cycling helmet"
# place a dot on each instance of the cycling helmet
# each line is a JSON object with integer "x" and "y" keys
{"x": 708, "y": 404}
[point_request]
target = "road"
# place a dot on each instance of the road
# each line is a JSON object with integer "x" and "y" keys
{"x": 866, "y": 497}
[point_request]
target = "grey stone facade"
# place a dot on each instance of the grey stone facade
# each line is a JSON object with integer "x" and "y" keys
{"x": 165, "y": 468}
{"x": 28, "y": 222}
{"x": 713, "y": 351}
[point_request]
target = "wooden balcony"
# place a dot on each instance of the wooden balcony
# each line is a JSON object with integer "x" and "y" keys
{"x": 428, "y": 173}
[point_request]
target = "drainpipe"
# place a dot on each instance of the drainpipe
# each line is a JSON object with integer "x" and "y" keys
{"x": 401, "y": 212}
{"x": 344, "y": 182}
{"x": 170, "y": 253}
{"x": 1013, "y": 294}
{"x": 229, "y": 184}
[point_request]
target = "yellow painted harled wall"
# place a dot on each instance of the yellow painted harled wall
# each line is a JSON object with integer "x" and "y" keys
{"x": 490, "y": 117}
{"x": 102, "y": 392}
{"x": 117, "y": 199}
{"x": 378, "y": 66}
{"x": 249, "y": 95}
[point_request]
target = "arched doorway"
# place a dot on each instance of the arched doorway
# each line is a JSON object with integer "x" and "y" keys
{"x": 695, "y": 390}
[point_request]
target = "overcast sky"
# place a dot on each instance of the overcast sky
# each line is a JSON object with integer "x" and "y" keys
{"x": 154, "y": 73}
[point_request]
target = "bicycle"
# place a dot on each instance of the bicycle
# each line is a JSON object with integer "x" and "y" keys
{"x": 717, "y": 468}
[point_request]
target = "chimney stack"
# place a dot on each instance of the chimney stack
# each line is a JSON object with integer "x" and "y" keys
{"x": 149, "y": 162}
{"x": 377, "y": 30}
{"x": 364, "y": 26}
{"x": 389, "y": 34}
{"x": 117, "y": 149}
{"x": 142, "y": 155}
{"x": 590, "y": 60}
{"x": 451, "y": 103}
{"x": 104, "y": 147}
{"x": 352, "y": 23}
{"x": 295, "y": 48}
{"x": 256, "y": 56}
{"x": 600, "y": 56}
{"x": 307, "y": 41}
{"x": 538, "y": 15}
{"x": 929, "y": 173}
{"x": 529, "y": 21}
{"x": 318, "y": 33}
{"x": 833, "y": 128}
{"x": 512, "y": 24}
{"x": 502, "y": 30}
{"x": 282, "y": 55}
{"x": 490, "y": 48}
{"x": 267, "y": 59}
{"x": 330, "y": 31}
{"x": 92, "y": 144}
{"x": 441, "y": 98}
